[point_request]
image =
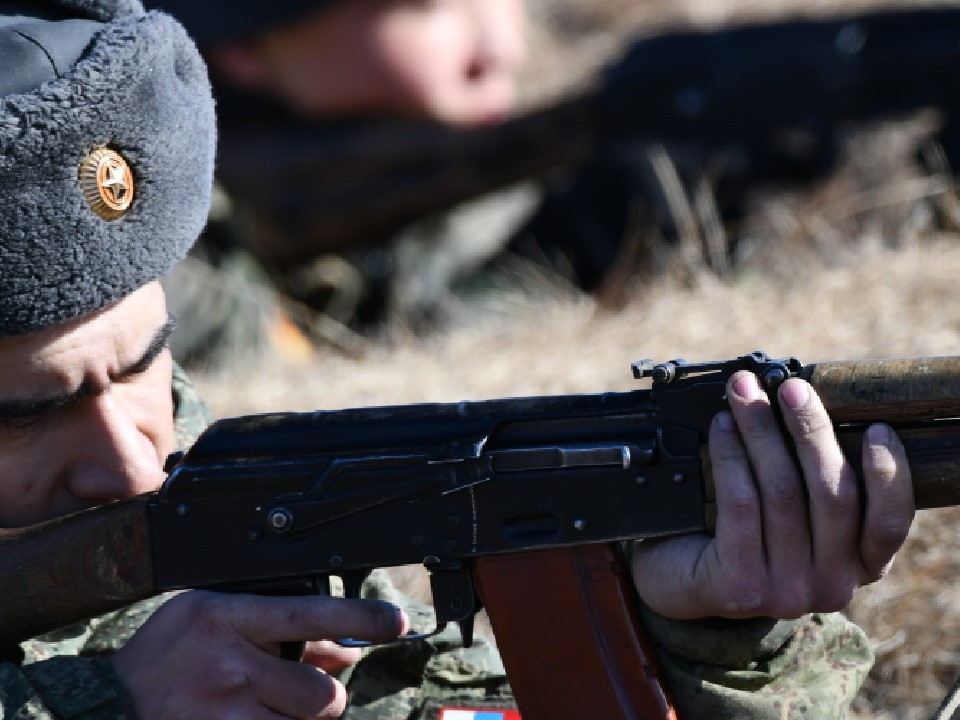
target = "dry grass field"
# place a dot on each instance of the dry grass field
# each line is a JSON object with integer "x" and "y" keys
{"x": 863, "y": 265}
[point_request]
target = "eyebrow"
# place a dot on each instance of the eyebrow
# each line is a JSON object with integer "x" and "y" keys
{"x": 32, "y": 407}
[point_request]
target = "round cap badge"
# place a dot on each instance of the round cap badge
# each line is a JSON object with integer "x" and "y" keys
{"x": 106, "y": 183}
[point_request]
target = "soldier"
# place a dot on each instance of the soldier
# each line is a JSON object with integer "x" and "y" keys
{"x": 312, "y": 97}
{"x": 106, "y": 153}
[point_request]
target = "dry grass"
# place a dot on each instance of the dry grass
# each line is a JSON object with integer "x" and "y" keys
{"x": 864, "y": 265}
{"x": 883, "y": 303}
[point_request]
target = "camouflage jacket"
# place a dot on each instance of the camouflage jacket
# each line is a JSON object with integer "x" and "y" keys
{"x": 810, "y": 667}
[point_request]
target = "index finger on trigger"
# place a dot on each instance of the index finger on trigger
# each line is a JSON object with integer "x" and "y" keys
{"x": 265, "y": 620}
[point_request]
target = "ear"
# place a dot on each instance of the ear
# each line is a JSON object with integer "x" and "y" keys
{"x": 239, "y": 64}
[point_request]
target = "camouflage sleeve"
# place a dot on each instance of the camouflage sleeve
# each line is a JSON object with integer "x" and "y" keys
{"x": 761, "y": 669}
{"x": 63, "y": 688}
{"x": 413, "y": 680}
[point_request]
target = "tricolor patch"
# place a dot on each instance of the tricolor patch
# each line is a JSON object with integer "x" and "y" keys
{"x": 462, "y": 713}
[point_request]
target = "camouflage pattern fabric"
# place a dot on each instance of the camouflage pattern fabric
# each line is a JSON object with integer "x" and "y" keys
{"x": 224, "y": 310}
{"x": 761, "y": 669}
{"x": 191, "y": 414}
{"x": 413, "y": 680}
{"x": 757, "y": 670}
{"x": 232, "y": 305}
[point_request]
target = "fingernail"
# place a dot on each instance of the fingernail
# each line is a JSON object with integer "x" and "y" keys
{"x": 745, "y": 385}
{"x": 878, "y": 435}
{"x": 795, "y": 394}
{"x": 725, "y": 421}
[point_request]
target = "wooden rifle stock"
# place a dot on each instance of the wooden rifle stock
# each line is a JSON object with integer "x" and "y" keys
{"x": 73, "y": 568}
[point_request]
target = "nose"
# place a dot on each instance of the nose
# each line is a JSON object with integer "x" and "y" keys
{"x": 500, "y": 46}
{"x": 114, "y": 456}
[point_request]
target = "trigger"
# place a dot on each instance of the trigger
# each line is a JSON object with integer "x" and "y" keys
{"x": 466, "y": 631}
{"x": 353, "y": 583}
{"x": 454, "y": 597}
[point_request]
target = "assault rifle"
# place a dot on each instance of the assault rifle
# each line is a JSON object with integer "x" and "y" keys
{"x": 773, "y": 94}
{"x": 499, "y": 498}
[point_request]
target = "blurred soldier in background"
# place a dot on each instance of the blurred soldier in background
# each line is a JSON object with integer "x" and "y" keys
{"x": 370, "y": 168}
{"x": 351, "y": 131}
{"x": 307, "y": 93}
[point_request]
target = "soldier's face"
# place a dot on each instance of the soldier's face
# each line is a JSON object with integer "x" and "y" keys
{"x": 456, "y": 61}
{"x": 85, "y": 410}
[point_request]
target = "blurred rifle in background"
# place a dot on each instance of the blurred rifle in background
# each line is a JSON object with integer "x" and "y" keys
{"x": 771, "y": 94}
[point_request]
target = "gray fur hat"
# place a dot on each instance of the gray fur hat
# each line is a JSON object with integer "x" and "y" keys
{"x": 107, "y": 138}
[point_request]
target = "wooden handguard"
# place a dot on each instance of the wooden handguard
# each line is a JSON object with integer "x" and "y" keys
{"x": 569, "y": 634}
{"x": 917, "y": 396}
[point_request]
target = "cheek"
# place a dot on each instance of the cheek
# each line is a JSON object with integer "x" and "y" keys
{"x": 31, "y": 487}
{"x": 16, "y": 465}
{"x": 425, "y": 65}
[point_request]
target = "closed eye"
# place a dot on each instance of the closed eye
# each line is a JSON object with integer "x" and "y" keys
{"x": 161, "y": 340}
